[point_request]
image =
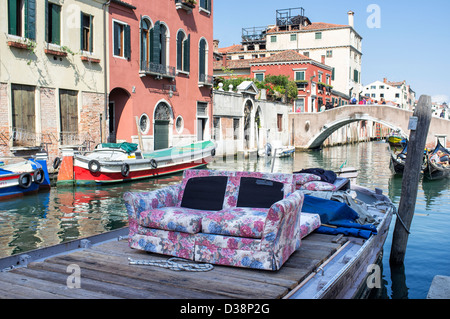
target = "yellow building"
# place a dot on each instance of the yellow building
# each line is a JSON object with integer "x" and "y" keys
{"x": 53, "y": 75}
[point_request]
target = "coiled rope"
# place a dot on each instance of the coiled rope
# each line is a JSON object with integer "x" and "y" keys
{"x": 176, "y": 264}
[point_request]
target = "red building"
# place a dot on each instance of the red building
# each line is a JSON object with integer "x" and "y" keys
{"x": 313, "y": 79}
{"x": 161, "y": 57}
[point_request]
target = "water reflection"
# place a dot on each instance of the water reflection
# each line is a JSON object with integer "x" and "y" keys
{"x": 67, "y": 213}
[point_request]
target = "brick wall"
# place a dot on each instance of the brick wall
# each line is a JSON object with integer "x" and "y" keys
{"x": 89, "y": 122}
{"x": 49, "y": 121}
{"x": 4, "y": 125}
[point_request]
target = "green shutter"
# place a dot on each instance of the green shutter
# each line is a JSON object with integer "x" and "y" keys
{"x": 127, "y": 42}
{"x": 202, "y": 60}
{"x": 91, "y": 33}
{"x": 300, "y": 76}
{"x": 156, "y": 43}
{"x": 56, "y": 24}
{"x": 81, "y": 31}
{"x": 180, "y": 40}
{"x": 333, "y": 73}
{"x": 30, "y": 19}
{"x": 187, "y": 54}
{"x": 12, "y": 17}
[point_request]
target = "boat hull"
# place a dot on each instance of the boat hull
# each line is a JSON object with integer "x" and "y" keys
{"x": 156, "y": 164}
{"x": 19, "y": 180}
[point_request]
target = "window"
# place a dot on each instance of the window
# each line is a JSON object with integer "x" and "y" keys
{"x": 216, "y": 125}
{"x": 183, "y": 51}
{"x": 205, "y": 5}
{"x": 293, "y": 37}
{"x": 356, "y": 76}
{"x": 299, "y": 75}
{"x": 87, "y": 34}
{"x": 306, "y": 54}
{"x": 144, "y": 123}
{"x": 329, "y": 53}
{"x": 320, "y": 77}
{"x": 236, "y": 129}
{"x": 68, "y": 110}
{"x": 53, "y": 23}
{"x": 300, "y": 105}
{"x": 318, "y": 35}
{"x": 23, "y": 115}
{"x": 397, "y": 95}
{"x": 259, "y": 77}
{"x": 22, "y": 18}
{"x": 121, "y": 45}
{"x": 273, "y": 38}
{"x": 179, "y": 124}
{"x": 203, "y": 55}
{"x": 280, "y": 122}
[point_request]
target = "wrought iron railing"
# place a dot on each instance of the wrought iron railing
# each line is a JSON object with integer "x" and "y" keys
{"x": 206, "y": 79}
{"x": 158, "y": 69}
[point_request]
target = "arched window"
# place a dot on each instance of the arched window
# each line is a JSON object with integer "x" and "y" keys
{"x": 202, "y": 65}
{"x": 183, "y": 51}
{"x": 145, "y": 43}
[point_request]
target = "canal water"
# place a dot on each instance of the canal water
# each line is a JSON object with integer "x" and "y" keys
{"x": 64, "y": 214}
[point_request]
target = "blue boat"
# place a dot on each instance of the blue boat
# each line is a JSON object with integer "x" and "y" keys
{"x": 23, "y": 177}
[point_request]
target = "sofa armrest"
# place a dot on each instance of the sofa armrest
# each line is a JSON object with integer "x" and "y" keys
{"x": 282, "y": 225}
{"x": 138, "y": 202}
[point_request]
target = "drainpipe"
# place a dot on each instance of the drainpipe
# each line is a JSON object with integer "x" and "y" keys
{"x": 105, "y": 68}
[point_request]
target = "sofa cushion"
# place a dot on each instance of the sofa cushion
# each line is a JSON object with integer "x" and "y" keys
{"x": 177, "y": 219}
{"x": 239, "y": 222}
{"x": 205, "y": 193}
{"x": 259, "y": 193}
{"x": 318, "y": 186}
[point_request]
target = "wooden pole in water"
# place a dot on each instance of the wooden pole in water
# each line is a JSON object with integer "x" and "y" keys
{"x": 411, "y": 176}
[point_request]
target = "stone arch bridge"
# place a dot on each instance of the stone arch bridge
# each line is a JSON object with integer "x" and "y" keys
{"x": 310, "y": 130}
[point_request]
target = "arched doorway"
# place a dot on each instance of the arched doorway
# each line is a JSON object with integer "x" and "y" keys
{"x": 163, "y": 119}
{"x": 119, "y": 103}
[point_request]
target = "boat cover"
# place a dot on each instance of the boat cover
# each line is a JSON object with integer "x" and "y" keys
{"x": 337, "y": 217}
{"x": 127, "y": 147}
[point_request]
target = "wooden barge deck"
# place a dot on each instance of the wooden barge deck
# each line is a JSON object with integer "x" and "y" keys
{"x": 106, "y": 273}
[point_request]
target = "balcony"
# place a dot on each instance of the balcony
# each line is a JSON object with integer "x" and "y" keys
{"x": 205, "y": 80}
{"x": 186, "y": 5}
{"x": 158, "y": 70}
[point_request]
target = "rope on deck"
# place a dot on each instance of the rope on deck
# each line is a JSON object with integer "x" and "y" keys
{"x": 176, "y": 264}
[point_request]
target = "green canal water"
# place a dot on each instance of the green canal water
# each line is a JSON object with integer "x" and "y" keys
{"x": 64, "y": 214}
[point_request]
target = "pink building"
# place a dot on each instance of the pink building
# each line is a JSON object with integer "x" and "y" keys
{"x": 160, "y": 77}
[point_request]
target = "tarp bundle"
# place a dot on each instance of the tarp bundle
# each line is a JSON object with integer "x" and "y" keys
{"x": 127, "y": 147}
{"x": 339, "y": 216}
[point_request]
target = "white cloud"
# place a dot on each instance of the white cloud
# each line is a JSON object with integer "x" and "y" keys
{"x": 441, "y": 98}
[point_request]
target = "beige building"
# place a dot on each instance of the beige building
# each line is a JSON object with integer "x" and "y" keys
{"x": 52, "y": 75}
{"x": 394, "y": 93}
{"x": 338, "y": 46}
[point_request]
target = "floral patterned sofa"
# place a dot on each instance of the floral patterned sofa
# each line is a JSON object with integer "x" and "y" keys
{"x": 243, "y": 219}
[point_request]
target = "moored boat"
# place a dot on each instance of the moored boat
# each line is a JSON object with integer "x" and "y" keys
{"x": 277, "y": 150}
{"x": 435, "y": 170}
{"x": 395, "y": 139}
{"x": 24, "y": 176}
{"x": 114, "y": 163}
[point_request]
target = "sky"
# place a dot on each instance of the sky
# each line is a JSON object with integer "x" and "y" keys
{"x": 402, "y": 40}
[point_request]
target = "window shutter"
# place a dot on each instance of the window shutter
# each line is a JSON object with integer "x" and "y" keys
{"x": 332, "y": 74}
{"x": 117, "y": 43}
{"x": 56, "y": 24}
{"x": 127, "y": 42}
{"x": 12, "y": 17}
{"x": 30, "y": 19}
{"x": 209, "y": 5}
{"x": 156, "y": 43}
{"x": 202, "y": 61}
{"x": 81, "y": 30}
{"x": 187, "y": 54}
{"x": 91, "y": 33}
{"x": 180, "y": 53}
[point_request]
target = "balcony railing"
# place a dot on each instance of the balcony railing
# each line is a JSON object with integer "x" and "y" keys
{"x": 159, "y": 70}
{"x": 205, "y": 80}
{"x": 185, "y": 5}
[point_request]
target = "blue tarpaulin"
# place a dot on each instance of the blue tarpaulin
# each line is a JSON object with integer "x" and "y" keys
{"x": 339, "y": 215}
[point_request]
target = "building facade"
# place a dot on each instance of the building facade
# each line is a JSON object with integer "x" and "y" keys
{"x": 394, "y": 93}
{"x": 52, "y": 84}
{"x": 335, "y": 45}
{"x": 160, "y": 76}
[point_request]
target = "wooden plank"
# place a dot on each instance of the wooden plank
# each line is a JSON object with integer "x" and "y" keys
{"x": 57, "y": 290}
{"x": 112, "y": 289}
{"x": 209, "y": 281}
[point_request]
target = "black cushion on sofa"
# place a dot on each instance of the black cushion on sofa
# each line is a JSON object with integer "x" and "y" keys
{"x": 259, "y": 193}
{"x": 205, "y": 193}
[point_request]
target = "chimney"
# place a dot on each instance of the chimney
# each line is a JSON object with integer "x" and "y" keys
{"x": 351, "y": 18}
{"x": 384, "y": 80}
{"x": 224, "y": 60}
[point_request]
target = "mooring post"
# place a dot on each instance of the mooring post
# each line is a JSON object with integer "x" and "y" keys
{"x": 419, "y": 126}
